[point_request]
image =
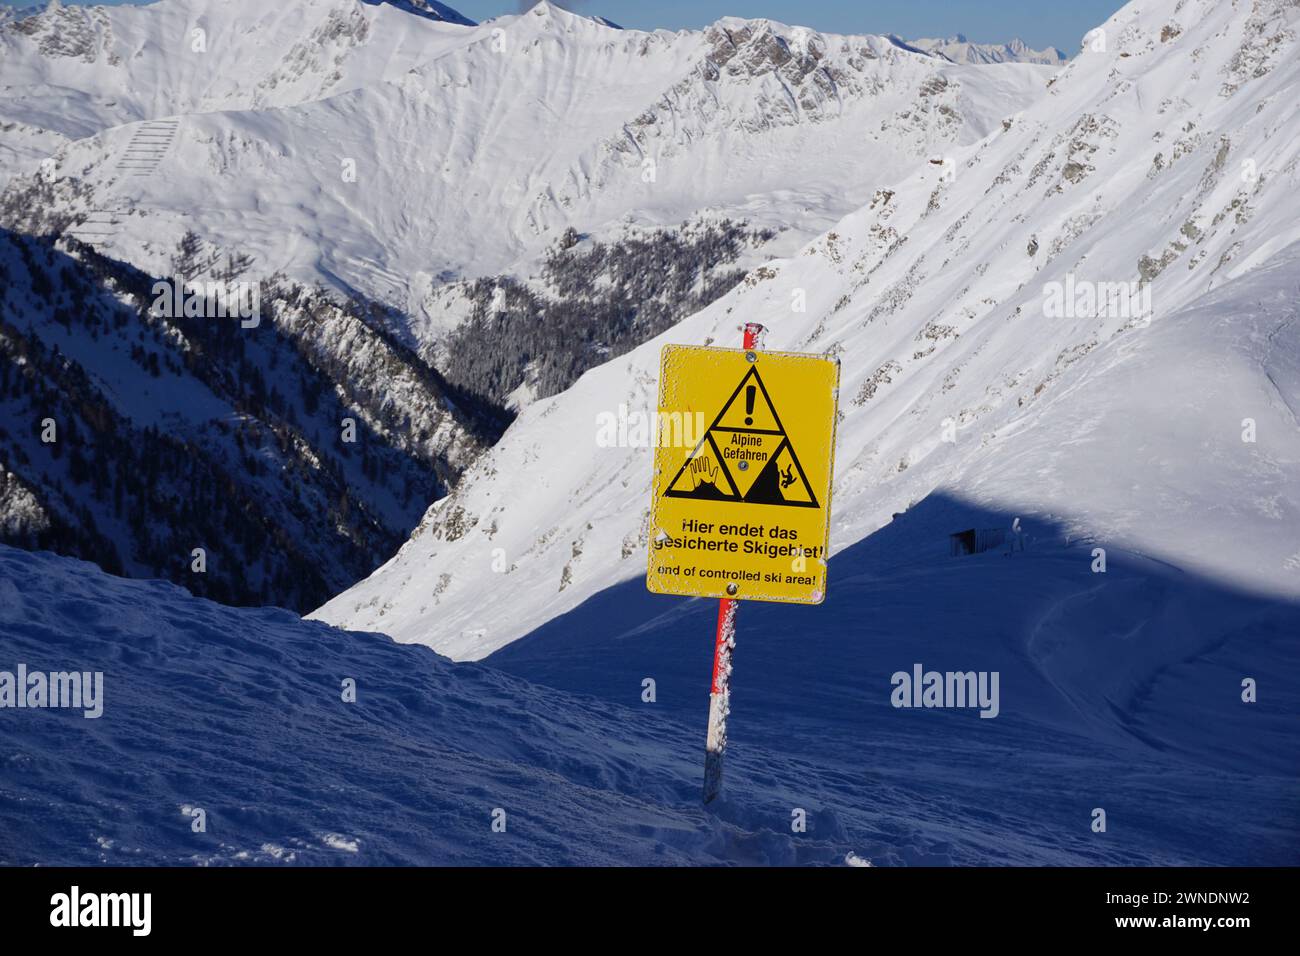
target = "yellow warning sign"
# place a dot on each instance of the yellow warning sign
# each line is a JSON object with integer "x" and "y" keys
{"x": 743, "y": 509}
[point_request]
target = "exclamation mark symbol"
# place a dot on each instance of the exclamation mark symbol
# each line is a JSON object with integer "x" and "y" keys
{"x": 749, "y": 404}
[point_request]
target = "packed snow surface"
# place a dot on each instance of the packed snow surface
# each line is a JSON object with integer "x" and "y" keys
{"x": 240, "y": 714}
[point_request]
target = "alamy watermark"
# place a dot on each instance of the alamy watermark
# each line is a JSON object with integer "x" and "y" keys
{"x": 176, "y": 297}
{"x": 75, "y": 690}
{"x": 922, "y": 688}
{"x": 1083, "y": 299}
{"x": 75, "y": 908}
{"x": 641, "y": 429}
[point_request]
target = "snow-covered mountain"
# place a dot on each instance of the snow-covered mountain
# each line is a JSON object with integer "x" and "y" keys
{"x": 358, "y": 145}
{"x": 74, "y": 71}
{"x": 379, "y": 150}
{"x": 1084, "y": 321}
{"x": 296, "y": 449}
{"x": 960, "y": 50}
{"x": 1158, "y": 417}
{"x": 8, "y": 12}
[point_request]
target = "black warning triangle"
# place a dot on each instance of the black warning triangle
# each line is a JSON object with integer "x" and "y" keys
{"x": 745, "y": 456}
{"x": 749, "y": 408}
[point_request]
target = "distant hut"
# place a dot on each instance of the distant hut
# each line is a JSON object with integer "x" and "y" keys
{"x": 976, "y": 540}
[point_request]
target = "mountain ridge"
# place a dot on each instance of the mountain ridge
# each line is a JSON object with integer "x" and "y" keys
{"x": 696, "y": 100}
{"x": 935, "y": 297}
{"x": 958, "y": 49}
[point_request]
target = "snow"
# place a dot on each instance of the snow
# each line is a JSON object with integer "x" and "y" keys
{"x": 933, "y": 297}
{"x": 960, "y": 50}
{"x": 1170, "y": 440}
{"x": 239, "y": 713}
{"x": 475, "y": 147}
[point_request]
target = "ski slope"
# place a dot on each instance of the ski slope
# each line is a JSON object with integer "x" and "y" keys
{"x": 239, "y": 713}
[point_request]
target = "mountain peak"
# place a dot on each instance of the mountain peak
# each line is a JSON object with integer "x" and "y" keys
{"x": 561, "y": 15}
{"x": 429, "y": 9}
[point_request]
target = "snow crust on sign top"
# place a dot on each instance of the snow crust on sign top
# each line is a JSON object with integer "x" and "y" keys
{"x": 474, "y": 147}
{"x": 1170, "y": 158}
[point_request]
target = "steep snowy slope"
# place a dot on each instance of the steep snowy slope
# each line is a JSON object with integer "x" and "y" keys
{"x": 240, "y": 714}
{"x": 474, "y": 159}
{"x": 73, "y": 71}
{"x": 1168, "y": 160}
{"x": 132, "y": 435}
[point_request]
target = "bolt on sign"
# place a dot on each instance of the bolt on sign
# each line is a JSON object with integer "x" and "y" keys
{"x": 743, "y": 511}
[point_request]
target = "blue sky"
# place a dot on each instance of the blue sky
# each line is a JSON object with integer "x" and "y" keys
{"x": 1037, "y": 22}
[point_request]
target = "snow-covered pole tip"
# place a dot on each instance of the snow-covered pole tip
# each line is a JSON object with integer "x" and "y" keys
{"x": 715, "y": 743}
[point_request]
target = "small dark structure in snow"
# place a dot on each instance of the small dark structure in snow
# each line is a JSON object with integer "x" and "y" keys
{"x": 976, "y": 540}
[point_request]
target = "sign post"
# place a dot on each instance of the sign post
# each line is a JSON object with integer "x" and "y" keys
{"x": 715, "y": 740}
{"x": 743, "y": 508}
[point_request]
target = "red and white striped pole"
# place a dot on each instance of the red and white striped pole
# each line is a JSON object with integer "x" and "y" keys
{"x": 715, "y": 743}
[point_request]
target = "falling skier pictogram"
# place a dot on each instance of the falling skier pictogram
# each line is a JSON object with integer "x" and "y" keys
{"x": 745, "y": 456}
